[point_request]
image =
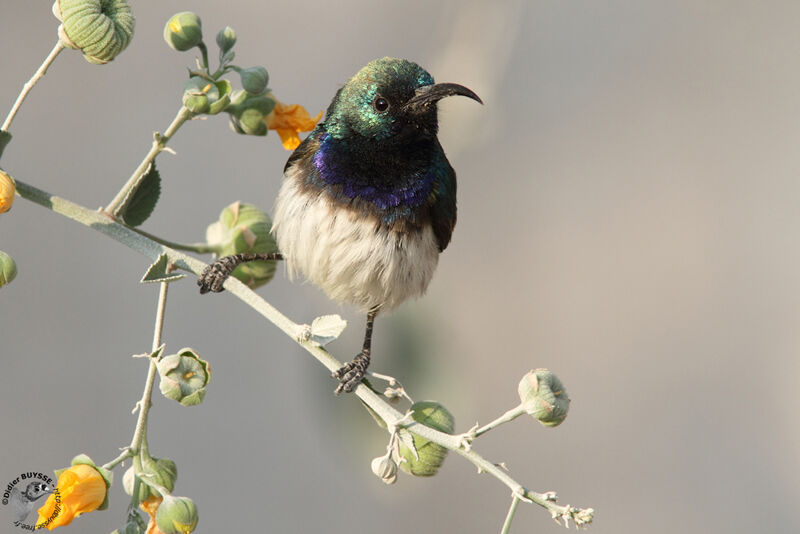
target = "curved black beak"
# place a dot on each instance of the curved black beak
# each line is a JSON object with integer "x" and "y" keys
{"x": 427, "y": 95}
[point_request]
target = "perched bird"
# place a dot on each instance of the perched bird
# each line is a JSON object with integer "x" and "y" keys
{"x": 22, "y": 503}
{"x": 368, "y": 200}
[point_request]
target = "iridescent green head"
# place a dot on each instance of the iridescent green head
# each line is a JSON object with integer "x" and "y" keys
{"x": 389, "y": 100}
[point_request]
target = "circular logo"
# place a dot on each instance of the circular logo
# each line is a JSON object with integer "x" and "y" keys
{"x": 24, "y": 494}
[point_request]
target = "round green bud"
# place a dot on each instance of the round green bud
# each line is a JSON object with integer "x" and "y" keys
{"x": 226, "y": 38}
{"x": 8, "y": 269}
{"x": 543, "y": 396}
{"x": 431, "y": 455}
{"x": 183, "y": 31}
{"x": 243, "y": 228}
{"x": 254, "y": 80}
{"x": 196, "y": 103}
{"x": 198, "y": 94}
{"x": 184, "y": 377}
{"x": 161, "y": 471}
{"x": 101, "y": 29}
{"x": 249, "y": 122}
{"x": 247, "y": 115}
{"x": 176, "y": 515}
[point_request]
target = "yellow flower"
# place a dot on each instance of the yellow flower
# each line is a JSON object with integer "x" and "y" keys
{"x": 7, "y": 189}
{"x": 290, "y": 120}
{"x": 81, "y": 489}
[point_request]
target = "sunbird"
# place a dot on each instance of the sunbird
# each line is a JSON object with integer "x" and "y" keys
{"x": 368, "y": 200}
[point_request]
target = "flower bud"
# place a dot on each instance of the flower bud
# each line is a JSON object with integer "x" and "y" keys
{"x": 101, "y": 29}
{"x": 203, "y": 96}
{"x": 184, "y": 377}
{"x": 7, "y": 190}
{"x": 161, "y": 471}
{"x": 385, "y": 468}
{"x": 183, "y": 31}
{"x": 543, "y": 396}
{"x": 176, "y": 515}
{"x": 254, "y": 80}
{"x": 249, "y": 122}
{"x": 226, "y": 38}
{"x": 430, "y": 455}
{"x": 247, "y": 116}
{"x": 243, "y": 228}
{"x": 8, "y": 269}
{"x": 198, "y": 93}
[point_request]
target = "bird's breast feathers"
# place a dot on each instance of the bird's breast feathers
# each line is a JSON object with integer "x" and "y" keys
{"x": 353, "y": 256}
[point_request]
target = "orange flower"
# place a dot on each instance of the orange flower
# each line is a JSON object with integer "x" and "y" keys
{"x": 151, "y": 507}
{"x": 290, "y": 120}
{"x": 81, "y": 489}
{"x": 7, "y": 189}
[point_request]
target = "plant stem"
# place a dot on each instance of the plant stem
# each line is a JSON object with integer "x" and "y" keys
{"x": 510, "y": 415}
{"x": 204, "y": 51}
{"x": 139, "y": 441}
{"x": 30, "y": 83}
{"x": 159, "y": 142}
{"x": 511, "y": 511}
{"x": 200, "y": 248}
{"x": 126, "y": 453}
{"x": 103, "y": 223}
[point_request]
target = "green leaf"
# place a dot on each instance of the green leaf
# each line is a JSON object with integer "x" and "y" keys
{"x": 224, "y": 87}
{"x": 219, "y": 105}
{"x": 5, "y": 138}
{"x": 157, "y": 272}
{"x": 141, "y": 203}
{"x": 407, "y": 439}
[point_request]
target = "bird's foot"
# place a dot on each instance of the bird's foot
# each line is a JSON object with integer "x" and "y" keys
{"x": 350, "y": 374}
{"x": 214, "y": 275}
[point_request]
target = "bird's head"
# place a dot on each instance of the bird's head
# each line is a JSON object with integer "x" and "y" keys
{"x": 389, "y": 100}
{"x": 34, "y": 490}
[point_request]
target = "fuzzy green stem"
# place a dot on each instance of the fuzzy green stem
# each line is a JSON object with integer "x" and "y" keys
{"x": 30, "y": 83}
{"x": 139, "y": 441}
{"x": 510, "y": 415}
{"x": 200, "y": 248}
{"x": 126, "y": 453}
{"x": 106, "y": 225}
{"x": 204, "y": 51}
{"x": 159, "y": 143}
{"x": 511, "y": 511}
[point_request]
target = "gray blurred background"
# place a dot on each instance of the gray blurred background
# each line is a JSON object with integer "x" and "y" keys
{"x": 627, "y": 218}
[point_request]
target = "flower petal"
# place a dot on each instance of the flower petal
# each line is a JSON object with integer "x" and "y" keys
{"x": 288, "y": 121}
{"x": 81, "y": 489}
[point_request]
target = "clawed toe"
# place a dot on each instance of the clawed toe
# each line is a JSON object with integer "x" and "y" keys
{"x": 351, "y": 374}
{"x": 212, "y": 278}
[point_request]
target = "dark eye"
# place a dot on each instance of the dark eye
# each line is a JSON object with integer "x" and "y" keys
{"x": 380, "y": 104}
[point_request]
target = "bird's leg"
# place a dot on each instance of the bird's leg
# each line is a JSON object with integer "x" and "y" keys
{"x": 213, "y": 276}
{"x": 350, "y": 374}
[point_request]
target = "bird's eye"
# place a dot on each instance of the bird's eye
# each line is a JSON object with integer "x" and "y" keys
{"x": 380, "y": 104}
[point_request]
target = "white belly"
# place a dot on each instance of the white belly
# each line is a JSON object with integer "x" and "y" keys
{"x": 353, "y": 259}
